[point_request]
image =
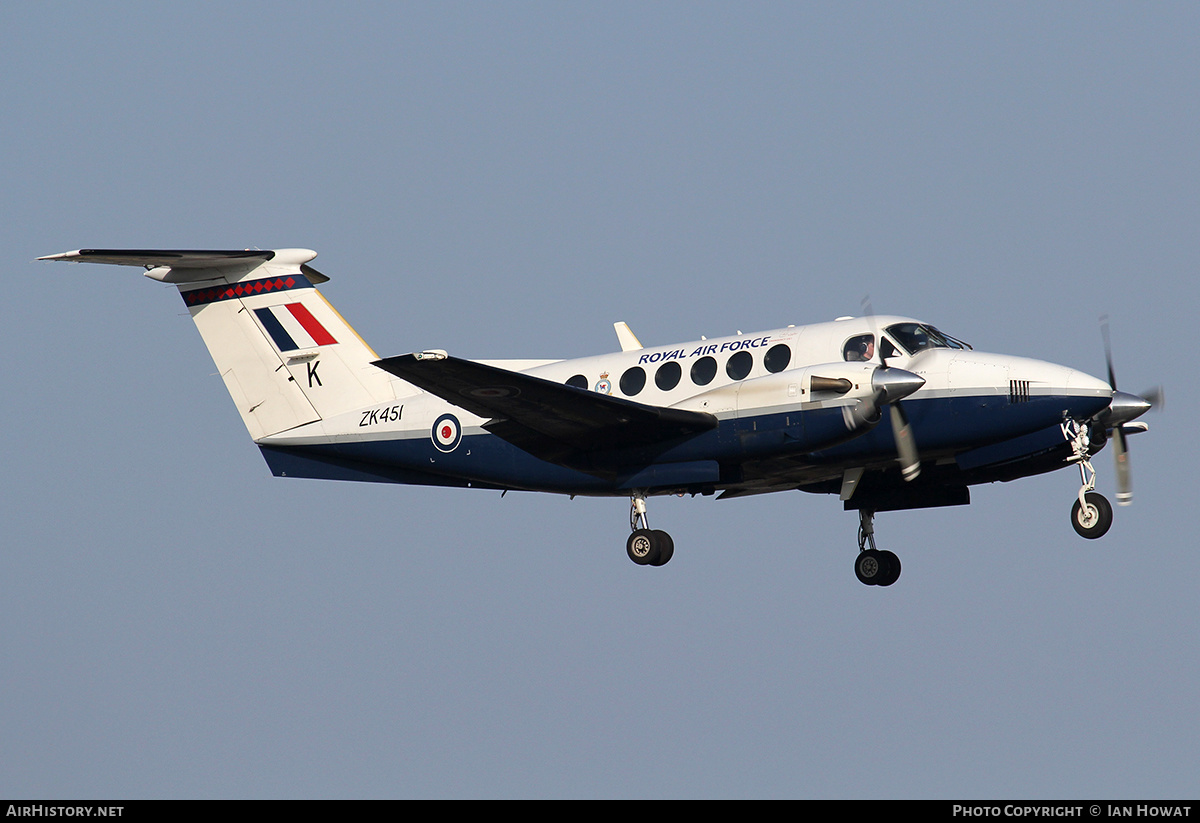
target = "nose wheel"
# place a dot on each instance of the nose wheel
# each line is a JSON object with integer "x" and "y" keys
{"x": 872, "y": 566}
{"x": 646, "y": 546}
{"x": 1091, "y": 515}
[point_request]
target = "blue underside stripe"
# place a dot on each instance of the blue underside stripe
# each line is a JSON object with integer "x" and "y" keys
{"x": 1026, "y": 430}
{"x": 278, "y": 333}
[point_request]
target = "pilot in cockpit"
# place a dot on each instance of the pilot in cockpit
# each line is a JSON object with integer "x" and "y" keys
{"x": 860, "y": 348}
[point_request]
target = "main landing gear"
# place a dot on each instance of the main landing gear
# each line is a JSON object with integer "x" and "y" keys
{"x": 646, "y": 546}
{"x": 872, "y": 566}
{"x": 1092, "y": 514}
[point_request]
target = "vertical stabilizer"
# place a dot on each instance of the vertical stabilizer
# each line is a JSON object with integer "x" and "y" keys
{"x": 287, "y": 357}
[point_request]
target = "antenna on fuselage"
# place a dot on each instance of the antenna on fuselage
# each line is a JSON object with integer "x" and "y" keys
{"x": 626, "y": 337}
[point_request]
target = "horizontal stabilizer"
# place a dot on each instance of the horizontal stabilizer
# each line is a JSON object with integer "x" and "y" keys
{"x": 192, "y": 265}
{"x": 152, "y": 258}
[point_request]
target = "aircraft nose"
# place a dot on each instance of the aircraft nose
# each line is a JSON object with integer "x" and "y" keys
{"x": 1090, "y": 394}
{"x": 1084, "y": 383}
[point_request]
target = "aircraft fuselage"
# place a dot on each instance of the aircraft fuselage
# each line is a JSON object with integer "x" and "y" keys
{"x": 772, "y": 430}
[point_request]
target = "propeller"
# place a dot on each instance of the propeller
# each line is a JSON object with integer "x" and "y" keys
{"x": 890, "y": 386}
{"x": 1123, "y": 408}
{"x": 906, "y": 445}
{"x": 1156, "y": 397}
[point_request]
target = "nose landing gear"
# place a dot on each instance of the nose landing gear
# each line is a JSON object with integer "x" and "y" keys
{"x": 1092, "y": 514}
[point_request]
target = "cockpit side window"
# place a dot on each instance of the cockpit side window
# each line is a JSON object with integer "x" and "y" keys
{"x": 859, "y": 348}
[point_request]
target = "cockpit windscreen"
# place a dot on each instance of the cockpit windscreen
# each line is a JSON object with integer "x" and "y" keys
{"x": 915, "y": 337}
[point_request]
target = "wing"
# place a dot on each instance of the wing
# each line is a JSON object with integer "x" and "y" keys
{"x": 558, "y": 423}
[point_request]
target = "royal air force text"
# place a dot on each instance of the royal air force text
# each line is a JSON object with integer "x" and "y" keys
{"x": 711, "y": 348}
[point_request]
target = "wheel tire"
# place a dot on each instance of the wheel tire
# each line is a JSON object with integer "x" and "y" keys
{"x": 869, "y": 567}
{"x": 666, "y": 548}
{"x": 1094, "y": 520}
{"x": 642, "y": 547}
{"x": 892, "y": 562}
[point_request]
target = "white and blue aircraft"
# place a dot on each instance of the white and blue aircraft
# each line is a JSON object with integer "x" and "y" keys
{"x": 798, "y": 408}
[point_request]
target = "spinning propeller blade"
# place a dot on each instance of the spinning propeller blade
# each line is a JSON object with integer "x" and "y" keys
{"x": 890, "y": 386}
{"x": 1156, "y": 397}
{"x": 910, "y": 461}
{"x": 1124, "y": 407}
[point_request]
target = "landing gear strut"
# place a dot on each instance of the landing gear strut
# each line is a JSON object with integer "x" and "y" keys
{"x": 646, "y": 546}
{"x": 872, "y": 566}
{"x": 1092, "y": 514}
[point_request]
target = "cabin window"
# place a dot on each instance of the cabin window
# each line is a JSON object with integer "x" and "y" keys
{"x": 777, "y": 358}
{"x": 633, "y": 381}
{"x": 668, "y": 374}
{"x": 739, "y": 365}
{"x": 859, "y": 348}
{"x": 703, "y": 371}
{"x": 578, "y": 381}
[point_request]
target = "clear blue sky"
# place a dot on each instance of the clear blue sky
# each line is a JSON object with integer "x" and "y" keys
{"x": 506, "y": 180}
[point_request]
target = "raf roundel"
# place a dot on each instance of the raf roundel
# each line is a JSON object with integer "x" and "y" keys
{"x": 446, "y": 433}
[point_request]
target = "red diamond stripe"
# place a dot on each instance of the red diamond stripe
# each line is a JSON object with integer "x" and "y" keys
{"x": 215, "y": 294}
